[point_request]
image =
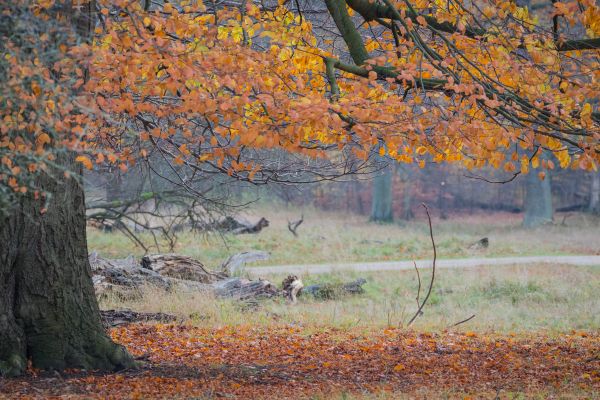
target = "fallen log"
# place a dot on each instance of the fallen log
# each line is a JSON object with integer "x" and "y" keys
{"x": 244, "y": 289}
{"x": 252, "y": 228}
{"x": 236, "y": 225}
{"x": 237, "y": 261}
{"x": 125, "y": 278}
{"x": 181, "y": 267}
{"x": 123, "y": 273}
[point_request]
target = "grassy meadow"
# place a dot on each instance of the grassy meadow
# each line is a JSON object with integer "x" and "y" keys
{"x": 552, "y": 298}
{"x": 542, "y": 297}
{"x": 326, "y": 237}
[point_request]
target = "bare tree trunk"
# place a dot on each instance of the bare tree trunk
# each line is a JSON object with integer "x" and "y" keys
{"x": 594, "y": 206}
{"x": 114, "y": 185}
{"x": 407, "y": 213}
{"x": 538, "y": 200}
{"x": 381, "y": 200}
{"x": 48, "y": 310}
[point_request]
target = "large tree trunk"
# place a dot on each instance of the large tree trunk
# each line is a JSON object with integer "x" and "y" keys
{"x": 538, "y": 200}
{"x": 381, "y": 199}
{"x": 48, "y": 310}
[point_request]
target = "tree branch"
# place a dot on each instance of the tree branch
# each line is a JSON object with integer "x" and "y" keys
{"x": 371, "y": 11}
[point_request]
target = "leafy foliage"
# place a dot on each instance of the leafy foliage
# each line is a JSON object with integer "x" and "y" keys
{"x": 261, "y": 93}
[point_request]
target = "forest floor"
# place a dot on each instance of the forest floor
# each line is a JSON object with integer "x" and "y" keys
{"x": 182, "y": 362}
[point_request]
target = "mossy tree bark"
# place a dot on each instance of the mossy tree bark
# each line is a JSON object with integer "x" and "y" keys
{"x": 48, "y": 310}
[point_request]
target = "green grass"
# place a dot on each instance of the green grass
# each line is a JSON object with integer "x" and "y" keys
{"x": 331, "y": 237}
{"x": 541, "y": 297}
{"x": 508, "y": 298}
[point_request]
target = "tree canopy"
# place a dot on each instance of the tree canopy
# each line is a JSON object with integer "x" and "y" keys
{"x": 299, "y": 91}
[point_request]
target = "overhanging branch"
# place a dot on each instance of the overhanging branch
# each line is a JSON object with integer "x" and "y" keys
{"x": 371, "y": 11}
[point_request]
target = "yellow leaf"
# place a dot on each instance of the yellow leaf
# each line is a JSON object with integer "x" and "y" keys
{"x": 43, "y": 139}
{"x": 85, "y": 161}
{"x": 586, "y": 113}
{"x": 399, "y": 367}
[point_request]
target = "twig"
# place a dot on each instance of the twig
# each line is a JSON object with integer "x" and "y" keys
{"x": 463, "y": 321}
{"x": 482, "y": 178}
{"x": 419, "y": 278}
{"x": 292, "y": 226}
{"x": 432, "y": 271}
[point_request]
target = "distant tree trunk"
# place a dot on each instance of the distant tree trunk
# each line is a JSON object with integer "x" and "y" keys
{"x": 381, "y": 197}
{"x": 538, "y": 200}
{"x": 594, "y": 206}
{"x": 48, "y": 310}
{"x": 357, "y": 189}
{"x": 407, "y": 213}
{"x": 442, "y": 199}
{"x": 114, "y": 185}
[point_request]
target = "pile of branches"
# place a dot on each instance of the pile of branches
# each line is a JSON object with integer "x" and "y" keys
{"x": 126, "y": 278}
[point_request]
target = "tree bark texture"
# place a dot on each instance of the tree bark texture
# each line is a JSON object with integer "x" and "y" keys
{"x": 48, "y": 310}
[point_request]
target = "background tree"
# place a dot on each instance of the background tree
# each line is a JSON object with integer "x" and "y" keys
{"x": 594, "y": 205}
{"x": 382, "y": 196}
{"x": 537, "y": 203}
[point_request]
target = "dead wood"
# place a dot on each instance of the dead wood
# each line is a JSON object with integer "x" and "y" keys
{"x": 125, "y": 278}
{"x": 430, "y": 289}
{"x": 293, "y": 225}
{"x": 252, "y": 228}
{"x": 245, "y": 289}
{"x": 124, "y": 273}
{"x": 482, "y": 243}
{"x": 181, "y": 267}
{"x": 236, "y": 226}
{"x": 292, "y": 287}
{"x": 237, "y": 261}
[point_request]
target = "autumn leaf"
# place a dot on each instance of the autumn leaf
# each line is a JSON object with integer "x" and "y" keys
{"x": 85, "y": 161}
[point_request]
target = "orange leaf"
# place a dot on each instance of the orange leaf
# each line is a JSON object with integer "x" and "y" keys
{"x": 399, "y": 367}
{"x": 85, "y": 161}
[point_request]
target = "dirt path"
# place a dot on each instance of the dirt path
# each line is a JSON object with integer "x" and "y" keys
{"x": 580, "y": 260}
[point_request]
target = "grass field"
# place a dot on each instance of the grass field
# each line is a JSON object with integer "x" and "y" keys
{"x": 551, "y": 298}
{"x": 504, "y": 298}
{"x": 331, "y": 237}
